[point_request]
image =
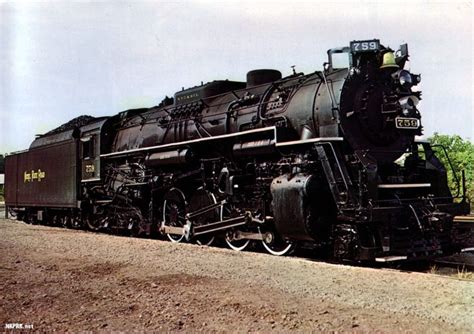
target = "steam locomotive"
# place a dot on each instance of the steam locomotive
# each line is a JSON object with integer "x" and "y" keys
{"x": 327, "y": 161}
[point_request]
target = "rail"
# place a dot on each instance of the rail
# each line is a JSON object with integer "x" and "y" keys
{"x": 464, "y": 219}
{"x": 3, "y": 208}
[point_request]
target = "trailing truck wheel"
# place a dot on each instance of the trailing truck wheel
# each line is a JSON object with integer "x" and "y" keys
{"x": 91, "y": 223}
{"x": 174, "y": 212}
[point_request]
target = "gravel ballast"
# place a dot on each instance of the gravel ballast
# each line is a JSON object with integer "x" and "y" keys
{"x": 58, "y": 279}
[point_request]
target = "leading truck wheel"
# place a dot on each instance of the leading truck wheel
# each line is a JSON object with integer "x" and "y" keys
{"x": 174, "y": 212}
{"x": 275, "y": 244}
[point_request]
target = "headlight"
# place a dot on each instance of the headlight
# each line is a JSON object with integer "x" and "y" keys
{"x": 408, "y": 103}
{"x": 404, "y": 79}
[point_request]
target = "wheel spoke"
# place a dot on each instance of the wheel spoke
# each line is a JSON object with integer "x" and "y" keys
{"x": 174, "y": 207}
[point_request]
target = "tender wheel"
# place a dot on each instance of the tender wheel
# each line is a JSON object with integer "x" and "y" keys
{"x": 200, "y": 199}
{"x": 60, "y": 221}
{"x": 66, "y": 222}
{"x": 275, "y": 245}
{"x": 174, "y": 212}
{"x": 56, "y": 221}
{"x": 236, "y": 244}
{"x": 76, "y": 222}
{"x": 30, "y": 219}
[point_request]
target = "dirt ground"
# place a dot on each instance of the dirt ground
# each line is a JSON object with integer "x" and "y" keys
{"x": 67, "y": 280}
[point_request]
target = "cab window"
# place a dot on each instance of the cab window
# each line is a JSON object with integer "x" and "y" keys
{"x": 88, "y": 148}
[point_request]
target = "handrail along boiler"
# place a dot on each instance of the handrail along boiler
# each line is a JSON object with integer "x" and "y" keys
{"x": 327, "y": 160}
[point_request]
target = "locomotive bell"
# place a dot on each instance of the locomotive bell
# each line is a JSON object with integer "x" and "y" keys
{"x": 388, "y": 60}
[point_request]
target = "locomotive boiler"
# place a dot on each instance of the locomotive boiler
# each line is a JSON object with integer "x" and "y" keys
{"x": 328, "y": 160}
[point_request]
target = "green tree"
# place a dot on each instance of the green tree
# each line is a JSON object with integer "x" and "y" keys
{"x": 2, "y": 171}
{"x": 461, "y": 154}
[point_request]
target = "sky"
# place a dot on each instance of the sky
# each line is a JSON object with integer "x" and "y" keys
{"x": 59, "y": 60}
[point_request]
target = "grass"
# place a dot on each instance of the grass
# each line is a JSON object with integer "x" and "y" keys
{"x": 464, "y": 274}
{"x": 459, "y": 273}
{"x": 434, "y": 269}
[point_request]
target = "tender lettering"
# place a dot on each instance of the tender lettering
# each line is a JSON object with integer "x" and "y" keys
{"x": 33, "y": 175}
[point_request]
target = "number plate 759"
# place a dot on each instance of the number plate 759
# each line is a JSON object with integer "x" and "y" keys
{"x": 365, "y": 46}
{"x": 407, "y": 123}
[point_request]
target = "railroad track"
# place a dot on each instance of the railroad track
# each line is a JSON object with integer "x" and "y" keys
{"x": 464, "y": 230}
{"x": 463, "y": 260}
{"x": 464, "y": 219}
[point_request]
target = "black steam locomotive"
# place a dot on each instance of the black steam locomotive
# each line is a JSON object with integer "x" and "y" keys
{"x": 325, "y": 161}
